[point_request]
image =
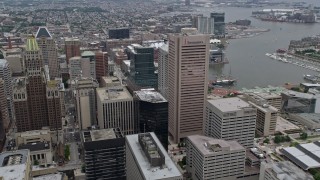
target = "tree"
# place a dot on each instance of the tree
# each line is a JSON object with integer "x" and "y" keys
{"x": 317, "y": 176}
{"x": 36, "y": 162}
{"x": 66, "y": 122}
{"x": 303, "y": 136}
{"x": 277, "y": 139}
{"x": 266, "y": 141}
{"x": 67, "y": 152}
{"x": 83, "y": 168}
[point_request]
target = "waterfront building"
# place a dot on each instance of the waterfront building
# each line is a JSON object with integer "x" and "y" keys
{"x": 15, "y": 165}
{"x": 163, "y": 70}
{"x": 36, "y": 99}
{"x": 104, "y": 154}
{"x": 219, "y": 23}
{"x": 298, "y": 102}
{"x": 142, "y": 68}
{"x": 85, "y": 96}
{"x": 49, "y": 51}
{"x": 209, "y": 158}
{"x": 187, "y": 83}
{"x": 153, "y": 114}
{"x": 146, "y": 159}
{"x": 116, "y": 109}
{"x": 282, "y": 170}
{"x": 7, "y": 109}
{"x": 72, "y": 48}
{"x": 231, "y": 119}
{"x": 310, "y": 120}
{"x": 119, "y": 33}
{"x": 101, "y": 65}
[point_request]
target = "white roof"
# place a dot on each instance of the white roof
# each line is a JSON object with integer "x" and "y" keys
{"x": 13, "y": 172}
{"x": 229, "y": 104}
{"x": 300, "y": 158}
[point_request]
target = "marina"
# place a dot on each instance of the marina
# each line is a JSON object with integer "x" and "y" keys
{"x": 286, "y": 58}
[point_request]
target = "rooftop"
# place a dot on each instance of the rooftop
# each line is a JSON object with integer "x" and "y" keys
{"x": 314, "y": 117}
{"x": 284, "y": 125}
{"x": 87, "y": 53}
{"x": 229, "y": 104}
{"x": 288, "y": 170}
{"x": 269, "y": 89}
{"x": 13, "y": 164}
{"x": 35, "y": 146}
{"x": 208, "y": 145}
{"x": 152, "y": 173}
{"x": 113, "y": 93}
{"x": 102, "y": 134}
{"x": 43, "y": 32}
{"x": 150, "y": 95}
{"x": 55, "y": 176}
{"x": 33, "y": 133}
{"x": 299, "y": 94}
{"x": 32, "y": 44}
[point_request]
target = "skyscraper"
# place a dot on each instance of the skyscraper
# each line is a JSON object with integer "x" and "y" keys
{"x": 120, "y": 33}
{"x": 72, "y": 48}
{"x": 205, "y": 25}
{"x": 219, "y": 23}
{"x": 153, "y": 114}
{"x": 142, "y": 69}
{"x": 89, "y": 55}
{"x": 163, "y": 70}
{"x": 4, "y": 112}
{"x": 101, "y": 65}
{"x": 36, "y": 101}
{"x": 6, "y": 76}
{"x": 187, "y": 83}
{"x": 49, "y": 51}
{"x": 231, "y": 119}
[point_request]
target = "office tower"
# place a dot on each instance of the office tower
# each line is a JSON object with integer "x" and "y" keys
{"x": 266, "y": 119}
{"x": 72, "y": 48}
{"x": 16, "y": 64}
{"x": 219, "y": 23}
{"x": 163, "y": 70}
{"x": 205, "y": 25}
{"x": 15, "y": 165}
{"x": 6, "y": 76}
{"x": 187, "y": 84}
{"x": 104, "y": 154}
{"x": 146, "y": 159}
{"x": 231, "y": 119}
{"x": 101, "y": 65}
{"x": 75, "y": 69}
{"x": 5, "y": 118}
{"x": 209, "y": 158}
{"x": 120, "y": 33}
{"x": 89, "y": 55}
{"x": 153, "y": 114}
{"x": 142, "y": 69}
{"x": 54, "y": 104}
{"x": 36, "y": 102}
{"x": 85, "y": 95}
{"x": 282, "y": 170}
{"x": 49, "y": 51}
{"x": 116, "y": 109}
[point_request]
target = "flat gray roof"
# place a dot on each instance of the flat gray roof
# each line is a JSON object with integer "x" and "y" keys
{"x": 229, "y": 104}
{"x": 290, "y": 171}
{"x": 300, "y": 158}
{"x": 152, "y": 173}
{"x": 204, "y": 144}
{"x": 314, "y": 117}
{"x": 16, "y": 164}
{"x": 150, "y": 95}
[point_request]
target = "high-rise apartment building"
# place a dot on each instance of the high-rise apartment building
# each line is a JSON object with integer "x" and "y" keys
{"x": 49, "y": 51}
{"x": 231, "y": 119}
{"x": 209, "y": 158}
{"x": 142, "y": 69}
{"x": 153, "y": 114}
{"x": 163, "y": 70}
{"x": 146, "y": 159}
{"x": 36, "y": 101}
{"x": 101, "y": 65}
{"x": 85, "y": 95}
{"x": 187, "y": 83}
{"x": 72, "y": 48}
{"x": 104, "y": 154}
{"x": 116, "y": 109}
{"x": 219, "y": 23}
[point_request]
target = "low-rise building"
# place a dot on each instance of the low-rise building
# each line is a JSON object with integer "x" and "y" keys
{"x": 15, "y": 165}
{"x": 281, "y": 171}
{"x": 311, "y": 120}
{"x": 40, "y": 152}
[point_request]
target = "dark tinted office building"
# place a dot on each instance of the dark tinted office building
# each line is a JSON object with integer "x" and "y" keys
{"x": 219, "y": 23}
{"x": 153, "y": 114}
{"x": 122, "y": 33}
{"x": 142, "y": 68}
{"x": 104, "y": 152}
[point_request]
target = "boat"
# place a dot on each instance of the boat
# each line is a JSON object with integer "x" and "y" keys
{"x": 223, "y": 82}
{"x": 309, "y": 77}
